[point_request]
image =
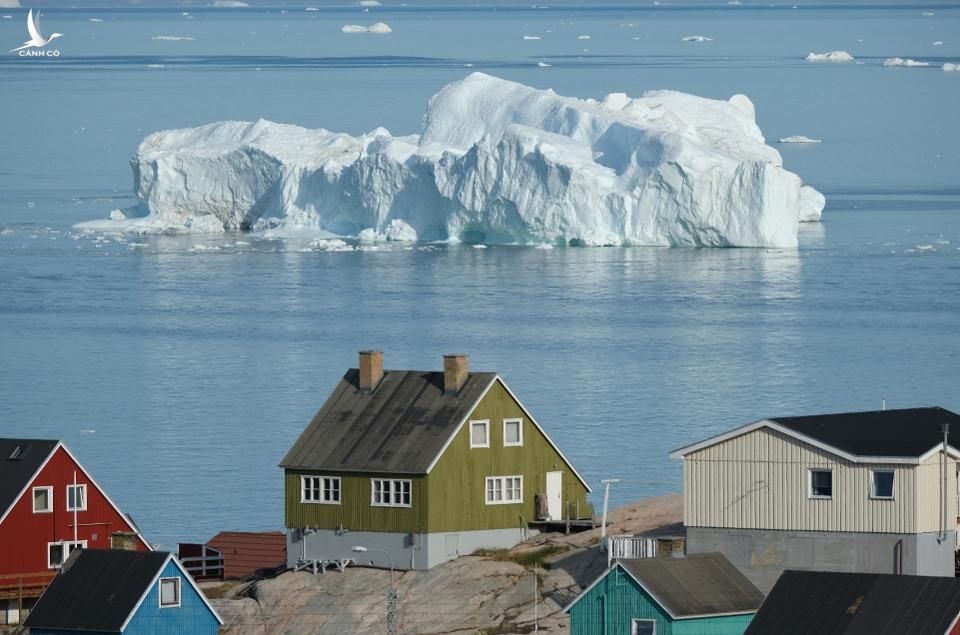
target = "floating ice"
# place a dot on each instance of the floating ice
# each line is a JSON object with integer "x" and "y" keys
{"x": 543, "y": 65}
{"x": 531, "y": 37}
{"x": 583, "y": 37}
{"x": 312, "y": 9}
{"x": 229, "y": 4}
{"x": 938, "y": 43}
{"x": 379, "y": 27}
{"x": 117, "y": 215}
{"x": 370, "y": 3}
{"x": 495, "y": 162}
{"x": 697, "y": 38}
{"x": 899, "y": 61}
{"x": 95, "y": 19}
{"x": 172, "y": 38}
{"x": 928, "y": 13}
{"x": 798, "y": 139}
{"x": 951, "y": 67}
{"x": 832, "y": 56}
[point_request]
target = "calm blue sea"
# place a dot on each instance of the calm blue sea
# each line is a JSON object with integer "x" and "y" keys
{"x": 180, "y": 369}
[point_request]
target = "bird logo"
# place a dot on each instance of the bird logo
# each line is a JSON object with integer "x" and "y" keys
{"x": 36, "y": 38}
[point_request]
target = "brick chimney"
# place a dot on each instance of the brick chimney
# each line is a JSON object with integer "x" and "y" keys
{"x": 123, "y": 540}
{"x": 371, "y": 369}
{"x": 455, "y": 370}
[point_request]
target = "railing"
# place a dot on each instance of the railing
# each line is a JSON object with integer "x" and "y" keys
{"x": 204, "y": 566}
{"x": 627, "y": 547}
{"x": 20, "y": 587}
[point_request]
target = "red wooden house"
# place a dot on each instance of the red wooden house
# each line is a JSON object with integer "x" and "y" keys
{"x": 49, "y": 506}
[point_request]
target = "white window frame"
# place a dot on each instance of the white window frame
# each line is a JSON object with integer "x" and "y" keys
{"x": 391, "y": 492}
{"x": 160, "y": 592}
{"x": 636, "y": 621}
{"x": 502, "y": 482}
{"x": 810, "y": 493}
{"x": 49, "y": 509}
{"x": 65, "y": 552}
{"x": 519, "y": 423}
{"x": 324, "y": 499}
{"x": 893, "y": 486}
{"x": 82, "y": 487}
{"x": 486, "y": 432}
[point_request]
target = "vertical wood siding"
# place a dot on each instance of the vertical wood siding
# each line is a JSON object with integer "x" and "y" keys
{"x": 929, "y": 494}
{"x": 758, "y": 480}
{"x": 456, "y": 487}
{"x": 192, "y": 617}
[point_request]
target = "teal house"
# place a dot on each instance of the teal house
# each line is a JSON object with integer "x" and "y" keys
{"x": 695, "y": 595}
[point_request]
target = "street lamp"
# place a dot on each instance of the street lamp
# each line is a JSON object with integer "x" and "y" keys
{"x": 391, "y": 594}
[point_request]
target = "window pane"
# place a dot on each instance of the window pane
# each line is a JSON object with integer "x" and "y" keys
{"x": 377, "y": 492}
{"x": 489, "y": 489}
{"x": 406, "y": 492}
{"x": 169, "y": 592}
{"x": 41, "y": 499}
{"x": 478, "y": 434}
{"x": 645, "y": 627}
{"x": 883, "y": 484}
{"x": 821, "y": 483}
{"x": 56, "y": 555}
{"x": 511, "y": 432}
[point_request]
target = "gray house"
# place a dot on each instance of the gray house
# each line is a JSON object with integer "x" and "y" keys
{"x": 864, "y": 492}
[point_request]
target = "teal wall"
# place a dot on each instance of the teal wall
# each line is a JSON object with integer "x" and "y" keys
{"x": 192, "y": 617}
{"x": 610, "y": 607}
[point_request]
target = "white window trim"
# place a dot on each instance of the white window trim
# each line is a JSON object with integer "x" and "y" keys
{"x": 160, "y": 593}
{"x": 893, "y": 487}
{"x": 810, "y": 493}
{"x": 502, "y": 479}
{"x": 83, "y": 488}
{"x": 49, "y": 509}
{"x": 486, "y": 426}
{"x": 635, "y": 621}
{"x": 66, "y": 544}
{"x": 391, "y": 503}
{"x": 520, "y": 442}
{"x": 322, "y": 501}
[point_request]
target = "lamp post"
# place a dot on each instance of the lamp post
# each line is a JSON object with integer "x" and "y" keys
{"x": 391, "y": 594}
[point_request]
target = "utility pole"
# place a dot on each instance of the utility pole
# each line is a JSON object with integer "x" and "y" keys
{"x": 607, "y": 482}
{"x": 536, "y": 625}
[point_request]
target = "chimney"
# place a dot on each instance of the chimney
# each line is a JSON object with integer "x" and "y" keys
{"x": 454, "y": 372}
{"x": 123, "y": 540}
{"x": 371, "y": 369}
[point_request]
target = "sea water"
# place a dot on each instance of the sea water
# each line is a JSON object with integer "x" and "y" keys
{"x": 181, "y": 369}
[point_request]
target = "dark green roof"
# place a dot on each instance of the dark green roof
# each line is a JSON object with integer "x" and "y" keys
{"x": 400, "y": 427}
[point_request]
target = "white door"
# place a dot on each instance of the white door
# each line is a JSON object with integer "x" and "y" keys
{"x": 555, "y": 495}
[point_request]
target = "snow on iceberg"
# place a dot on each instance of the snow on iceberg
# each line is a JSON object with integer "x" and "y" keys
{"x": 899, "y": 61}
{"x": 798, "y": 139}
{"x": 495, "y": 162}
{"x": 379, "y": 27}
{"x": 832, "y": 56}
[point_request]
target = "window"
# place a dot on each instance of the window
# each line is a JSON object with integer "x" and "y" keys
{"x": 479, "y": 434}
{"x": 42, "y": 500}
{"x": 882, "y": 485}
{"x": 169, "y": 592}
{"x": 389, "y": 492}
{"x": 18, "y": 453}
{"x": 76, "y": 498}
{"x": 512, "y": 432}
{"x": 821, "y": 484}
{"x": 504, "y": 490}
{"x": 58, "y": 552}
{"x": 320, "y": 489}
{"x": 644, "y": 627}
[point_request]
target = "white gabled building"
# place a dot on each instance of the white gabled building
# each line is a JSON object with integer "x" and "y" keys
{"x": 868, "y": 492}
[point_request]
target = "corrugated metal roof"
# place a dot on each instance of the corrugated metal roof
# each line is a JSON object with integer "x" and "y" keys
{"x": 246, "y": 551}
{"x": 16, "y": 471}
{"x": 698, "y": 584}
{"x": 400, "y": 427}
{"x": 97, "y": 590}
{"x": 908, "y": 432}
{"x": 830, "y": 603}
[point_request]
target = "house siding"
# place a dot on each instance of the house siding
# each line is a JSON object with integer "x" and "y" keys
{"x": 456, "y": 490}
{"x": 929, "y": 494}
{"x": 355, "y": 511}
{"x": 610, "y": 607}
{"x": 192, "y": 617}
{"x": 758, "y": 480}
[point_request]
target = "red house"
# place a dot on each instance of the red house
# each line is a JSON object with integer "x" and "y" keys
{"x": 49, "y": 506}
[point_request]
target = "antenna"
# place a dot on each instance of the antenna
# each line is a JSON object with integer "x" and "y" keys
{"x": 883, "y": 404}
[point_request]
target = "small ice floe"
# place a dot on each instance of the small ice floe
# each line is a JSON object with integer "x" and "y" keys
{"x": 928, "y": 14}
{"x": 330, "y": 244}
{"x": 229, "y": 4}
{"x": 479, "y": 246}
{"x": 832, "y": 56}
{"x": 6, "y": 231}
{"x": 900, "y": 61}
{"x": 155, "y": 66}
{"x": 172, "y": 38}
{"x": 798, "y": 139}
{"x": 88, "y": 431}
{"x": 583, "y": 37}
{"x": 531, "y": 37}
{"x": 202, "y": 248}
{"x": 938, "y": 43}
{"x": 734, "y": 3}
{"x": 370, "y": 3}
{"x": 543, "y": 65}
{"x": 697, "y": 38}
{"x": 311, "y": 9}
{"x": 379, "y": 27}
{"x": 95, "y": 19}
{"x": 925, "y": 247}
{"x": 543, "y": 246}
{"x": 117, "y": 215}
{"x": 951, "y": 68}
{"x": 8, "y": 17}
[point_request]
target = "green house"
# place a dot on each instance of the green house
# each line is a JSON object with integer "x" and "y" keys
{"x": 425, "y": 466}
{"x": 695, "y": 595}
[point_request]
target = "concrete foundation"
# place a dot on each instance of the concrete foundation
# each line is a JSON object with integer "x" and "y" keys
{"x": 762, "y": 555}
{"x": 408, "y": 550}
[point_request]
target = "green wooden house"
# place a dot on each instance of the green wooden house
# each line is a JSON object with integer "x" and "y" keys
{"x": 425, "y": 466}
{"x": 702, "y": 594}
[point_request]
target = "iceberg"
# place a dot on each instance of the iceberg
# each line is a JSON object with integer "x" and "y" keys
{"x": 379, "y": 27}
{"x": 899, "y": 61}
{"x": 951, "y": 68}
{"x": 832, "y": 56}
{"x": 696, "y": 38}
{"x": 798, "y": 139}
{"x": 495, "y": 162}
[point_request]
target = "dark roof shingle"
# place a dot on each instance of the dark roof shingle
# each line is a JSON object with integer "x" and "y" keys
{"x": 831, "y": 603}
{"x": 400, "y": 427}
{"x": 909, "y": 432}
{"x": 97, "y": 590}
{"x": 698, "y": 584}
{"x": 15, "y": 473}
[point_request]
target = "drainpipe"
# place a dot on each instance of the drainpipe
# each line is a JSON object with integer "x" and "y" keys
{"x": 943, "y": 485}
{"x": 75, "y": 501}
